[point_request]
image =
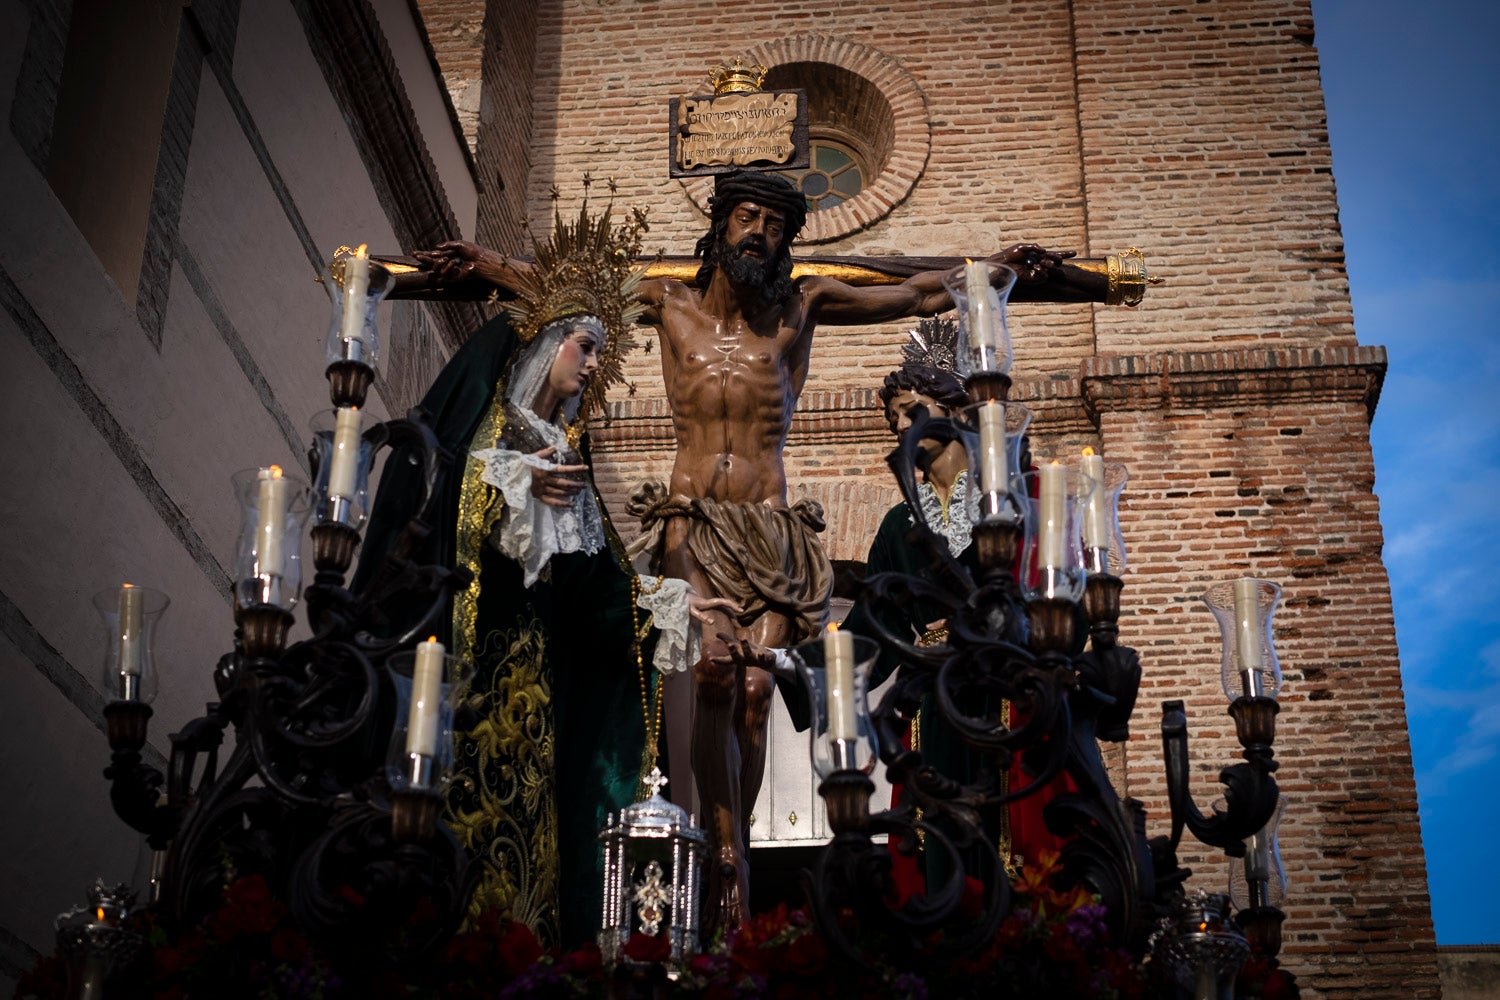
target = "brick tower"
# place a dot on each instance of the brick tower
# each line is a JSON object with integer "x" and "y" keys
{"x": 1237, "y": 394}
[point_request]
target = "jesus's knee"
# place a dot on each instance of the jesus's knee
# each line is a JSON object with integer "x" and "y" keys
{"x": 759, "y": 686}
{"x": 716, "y": 683}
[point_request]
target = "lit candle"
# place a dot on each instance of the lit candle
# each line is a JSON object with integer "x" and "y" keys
{"x": 130, "y": 641}
{"x": 838, "y": 657}
{"x": 1054, "y": 505}
{"x": 977, "y": 288}
{"x": 1096, "y": 527}
{"x": 1247, "y": 622}
{"x": 356, "y": 286}
{"x": 426, "y": 692}
{"x": 271, "y": 508}
{"x": 992, "y": 462}
{"x": 345, "y": 460}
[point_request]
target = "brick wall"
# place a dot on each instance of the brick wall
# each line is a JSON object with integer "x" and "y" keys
{"x": 455, "y": 30}
{"x": 1236, "y": 393}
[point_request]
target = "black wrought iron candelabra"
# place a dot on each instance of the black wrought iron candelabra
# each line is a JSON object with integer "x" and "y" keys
{"x": 1025, "y": 672}
{"x": 289, "y": 774}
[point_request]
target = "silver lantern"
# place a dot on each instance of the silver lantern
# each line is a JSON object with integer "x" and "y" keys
{"x": 652, "y": 859}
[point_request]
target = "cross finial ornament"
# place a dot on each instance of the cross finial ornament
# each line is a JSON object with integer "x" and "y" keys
{"x": 655, "y": 780}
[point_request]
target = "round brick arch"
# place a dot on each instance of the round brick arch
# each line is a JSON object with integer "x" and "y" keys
{"x": 863, "y": 98}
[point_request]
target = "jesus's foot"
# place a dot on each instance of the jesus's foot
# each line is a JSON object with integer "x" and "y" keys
{"x": 728, "y": 892}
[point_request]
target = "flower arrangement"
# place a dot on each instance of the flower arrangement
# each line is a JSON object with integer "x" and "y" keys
{"x": 1054, "y": 943}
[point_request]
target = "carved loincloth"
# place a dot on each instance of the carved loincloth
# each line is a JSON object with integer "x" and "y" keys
{"x": 764, "y": 558}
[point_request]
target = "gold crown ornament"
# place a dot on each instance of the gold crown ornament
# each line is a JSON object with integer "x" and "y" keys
{"x": 737, "y": 79}
{"x": 586, "y": 267}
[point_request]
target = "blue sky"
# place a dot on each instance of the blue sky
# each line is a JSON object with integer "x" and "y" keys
{"x": 1411, "y": 91}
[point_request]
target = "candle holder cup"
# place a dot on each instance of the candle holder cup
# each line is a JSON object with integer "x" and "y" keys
{"x": 333, "y": 548}
{"x": 414, "y": 815}
{"x": 1101, "y": 605}
{"x": 997, "y": 545}
{"x": 349, "y": 382}
{"x": 986, "y": 386}
{"x": 125, "y": 724}
{"x": 1261, "y": 926}
{"x": 1053, "y": 626}
{"x": 846, "y": 796}
{"x": 262, "y": 630}
{"x": 1255, "y": 726}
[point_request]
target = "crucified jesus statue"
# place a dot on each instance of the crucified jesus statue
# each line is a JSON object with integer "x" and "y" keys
{"x": 736, "y": 341}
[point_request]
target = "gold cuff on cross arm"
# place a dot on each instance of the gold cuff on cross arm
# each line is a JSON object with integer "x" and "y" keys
{"x": 1127, "y": 278}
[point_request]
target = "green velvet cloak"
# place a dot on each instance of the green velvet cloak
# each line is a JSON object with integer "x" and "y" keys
{"x": 560, "y": 733}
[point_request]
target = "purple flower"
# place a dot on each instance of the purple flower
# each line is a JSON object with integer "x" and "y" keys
{"x": 910, "y": 986}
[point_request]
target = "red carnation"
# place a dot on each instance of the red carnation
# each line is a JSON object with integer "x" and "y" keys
{"x": 288, "y": 946}
{"x": 648, "y": 947}
{"x": 971, "y": 904}
{"x": 518, "y": 948}
{"x": 249, "y": 908}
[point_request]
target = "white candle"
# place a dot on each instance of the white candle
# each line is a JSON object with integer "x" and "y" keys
{"x": 356, "y": 286}
{"x": 1054, "y": 505}
{"x": 1096, "y": 527}
{"x": 992, "y": 462}
{"x": 271, "y": 508}
{"x": 1248, "y": 631}
{"x": 345, "y": 461}
{"x": 130, "y": 637}
{"x": 426, "y": 692}
{"x": 977, "y": 288}
{"x": 838, "y": 658}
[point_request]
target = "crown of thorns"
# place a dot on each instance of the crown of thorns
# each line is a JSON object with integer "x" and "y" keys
{"x": 767, "y": 190}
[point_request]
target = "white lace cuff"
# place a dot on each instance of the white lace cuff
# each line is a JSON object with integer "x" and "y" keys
{"x": 526, "y": 531}
{"x": 678, "y": 643}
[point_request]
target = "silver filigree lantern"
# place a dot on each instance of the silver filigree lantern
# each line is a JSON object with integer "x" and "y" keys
{"x": 1201, "y": 946}
{"x": 101, "y": 955}
{"x": 652, "y": 859}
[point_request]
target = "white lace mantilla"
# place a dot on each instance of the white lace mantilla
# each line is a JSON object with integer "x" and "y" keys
{"x": 678, "y": 644}
{"x": 529, "y": 531}
{"x": 953, "y": 522}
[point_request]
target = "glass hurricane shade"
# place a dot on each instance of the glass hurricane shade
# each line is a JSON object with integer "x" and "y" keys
{"x": 356, "y": 287}
{"x": 428, "y": 683}
{"x": 1103, "y": 543}
{"x": 342, "y": 458}
{"x": 1258, "y": 879}
{"x": 1052, "y": 552}
{"x": 994, "y": 438}
{"x": 268, "y": 558}
{"x": 130, "y": 616}
{"x": 1243, "y": 609}
{"x": 980, "y": 290}
{"x": 835, "y": 671}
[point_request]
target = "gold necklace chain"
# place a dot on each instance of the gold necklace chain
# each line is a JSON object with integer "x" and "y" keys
{"x": 650, "y": 714}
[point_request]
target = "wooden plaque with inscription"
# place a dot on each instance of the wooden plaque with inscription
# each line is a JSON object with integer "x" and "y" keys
{"x": 715, "y": 134}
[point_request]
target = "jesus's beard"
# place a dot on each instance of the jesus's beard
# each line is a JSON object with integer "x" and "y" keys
{"x": 746, "y": 272}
